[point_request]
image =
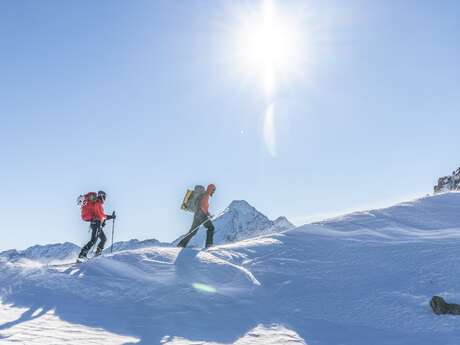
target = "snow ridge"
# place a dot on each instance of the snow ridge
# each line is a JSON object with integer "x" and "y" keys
{"x": 428, "y": 213}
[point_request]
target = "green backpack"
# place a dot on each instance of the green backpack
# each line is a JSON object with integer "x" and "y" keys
{"x": 192, "y": 199}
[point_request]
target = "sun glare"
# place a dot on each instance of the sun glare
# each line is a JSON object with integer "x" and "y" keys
{"x": 266, "y": 44}
{"x": 270, "y": 51}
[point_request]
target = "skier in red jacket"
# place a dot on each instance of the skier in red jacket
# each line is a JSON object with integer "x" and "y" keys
{"x": 202, "y": 217}
{"x": 93, "y": 211}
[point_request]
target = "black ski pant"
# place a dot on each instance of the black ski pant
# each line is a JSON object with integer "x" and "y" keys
{"x": 96, "y": 232}
{"x": 199, "y": 219}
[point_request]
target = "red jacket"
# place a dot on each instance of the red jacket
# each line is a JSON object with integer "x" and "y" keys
{"x": 93, "y": 210}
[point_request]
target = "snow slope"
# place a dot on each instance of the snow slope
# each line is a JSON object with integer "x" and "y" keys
{"x": 240, "y": 221}
{"x": 431, "y": 213}
{"x": 364, "y": 278}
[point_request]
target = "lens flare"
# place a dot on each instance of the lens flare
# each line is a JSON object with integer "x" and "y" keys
{"x": 270, "y": 129}
{"x": 204, "y": 288}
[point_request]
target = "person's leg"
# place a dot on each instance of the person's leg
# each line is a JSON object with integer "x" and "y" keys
{"x": 103, "y": 240}
{"x": 94, "y": 234}
{"x": 183, "y": 242}
{"x": 197, "y": 221}
{"x": 209, "y": 233}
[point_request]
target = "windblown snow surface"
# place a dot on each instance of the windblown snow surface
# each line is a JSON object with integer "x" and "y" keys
{"x": 365, "y": 278}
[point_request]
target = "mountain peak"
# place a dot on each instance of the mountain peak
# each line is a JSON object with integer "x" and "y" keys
{"x": 240, "y": 205}
{"x": 283, "y": 222}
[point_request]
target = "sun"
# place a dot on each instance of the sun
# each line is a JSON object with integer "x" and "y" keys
{"x": 269, "y": 49}
{"x": 266, "y": 44}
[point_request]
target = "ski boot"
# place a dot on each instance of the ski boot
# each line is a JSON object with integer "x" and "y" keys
{"x": 82, "y": 258}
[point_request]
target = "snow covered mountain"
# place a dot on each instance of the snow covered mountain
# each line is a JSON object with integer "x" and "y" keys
{"x": 68, "y": 251}
{"x": 360, "y": 279}
{"x": 136, "y": 244}
{"x": 241, "y": 221}
{"x": 43, "y": 253}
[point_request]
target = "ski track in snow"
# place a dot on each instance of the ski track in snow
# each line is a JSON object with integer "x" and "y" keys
{"x": 364, "y": 278}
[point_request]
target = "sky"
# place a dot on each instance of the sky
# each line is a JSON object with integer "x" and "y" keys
{"x": 306, "y": 109}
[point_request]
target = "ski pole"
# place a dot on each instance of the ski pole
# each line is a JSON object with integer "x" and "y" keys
{"x": 113, "y": 231}
{"x": 207, "y": 220}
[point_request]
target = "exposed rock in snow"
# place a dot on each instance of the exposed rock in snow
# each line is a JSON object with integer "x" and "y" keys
{"x": 448, "y": 183}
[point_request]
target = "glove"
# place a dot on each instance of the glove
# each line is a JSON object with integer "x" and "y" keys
{"x": 112, "y": 216}
{"x": 103, "y": 224}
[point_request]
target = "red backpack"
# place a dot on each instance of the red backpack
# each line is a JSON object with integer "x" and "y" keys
{"x": 87, "y": 203}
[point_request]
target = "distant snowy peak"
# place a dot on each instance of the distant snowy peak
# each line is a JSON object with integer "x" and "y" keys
{"x": 242, "y": 206}
{"x": 136, "y": 244}
{"x": 448, "y": 183}
{"x": 67, "y": 250}
{"x": 242, "y": 221}
{"x": 43, "y": 253}
{"x": 283, "y": 223}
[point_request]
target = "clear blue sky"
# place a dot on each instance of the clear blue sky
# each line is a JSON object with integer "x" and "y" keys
{"x": 143, "y": 99}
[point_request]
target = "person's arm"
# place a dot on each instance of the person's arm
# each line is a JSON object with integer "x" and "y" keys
{"x": 110, "y": 216}
{"x": 99, "y": 212}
